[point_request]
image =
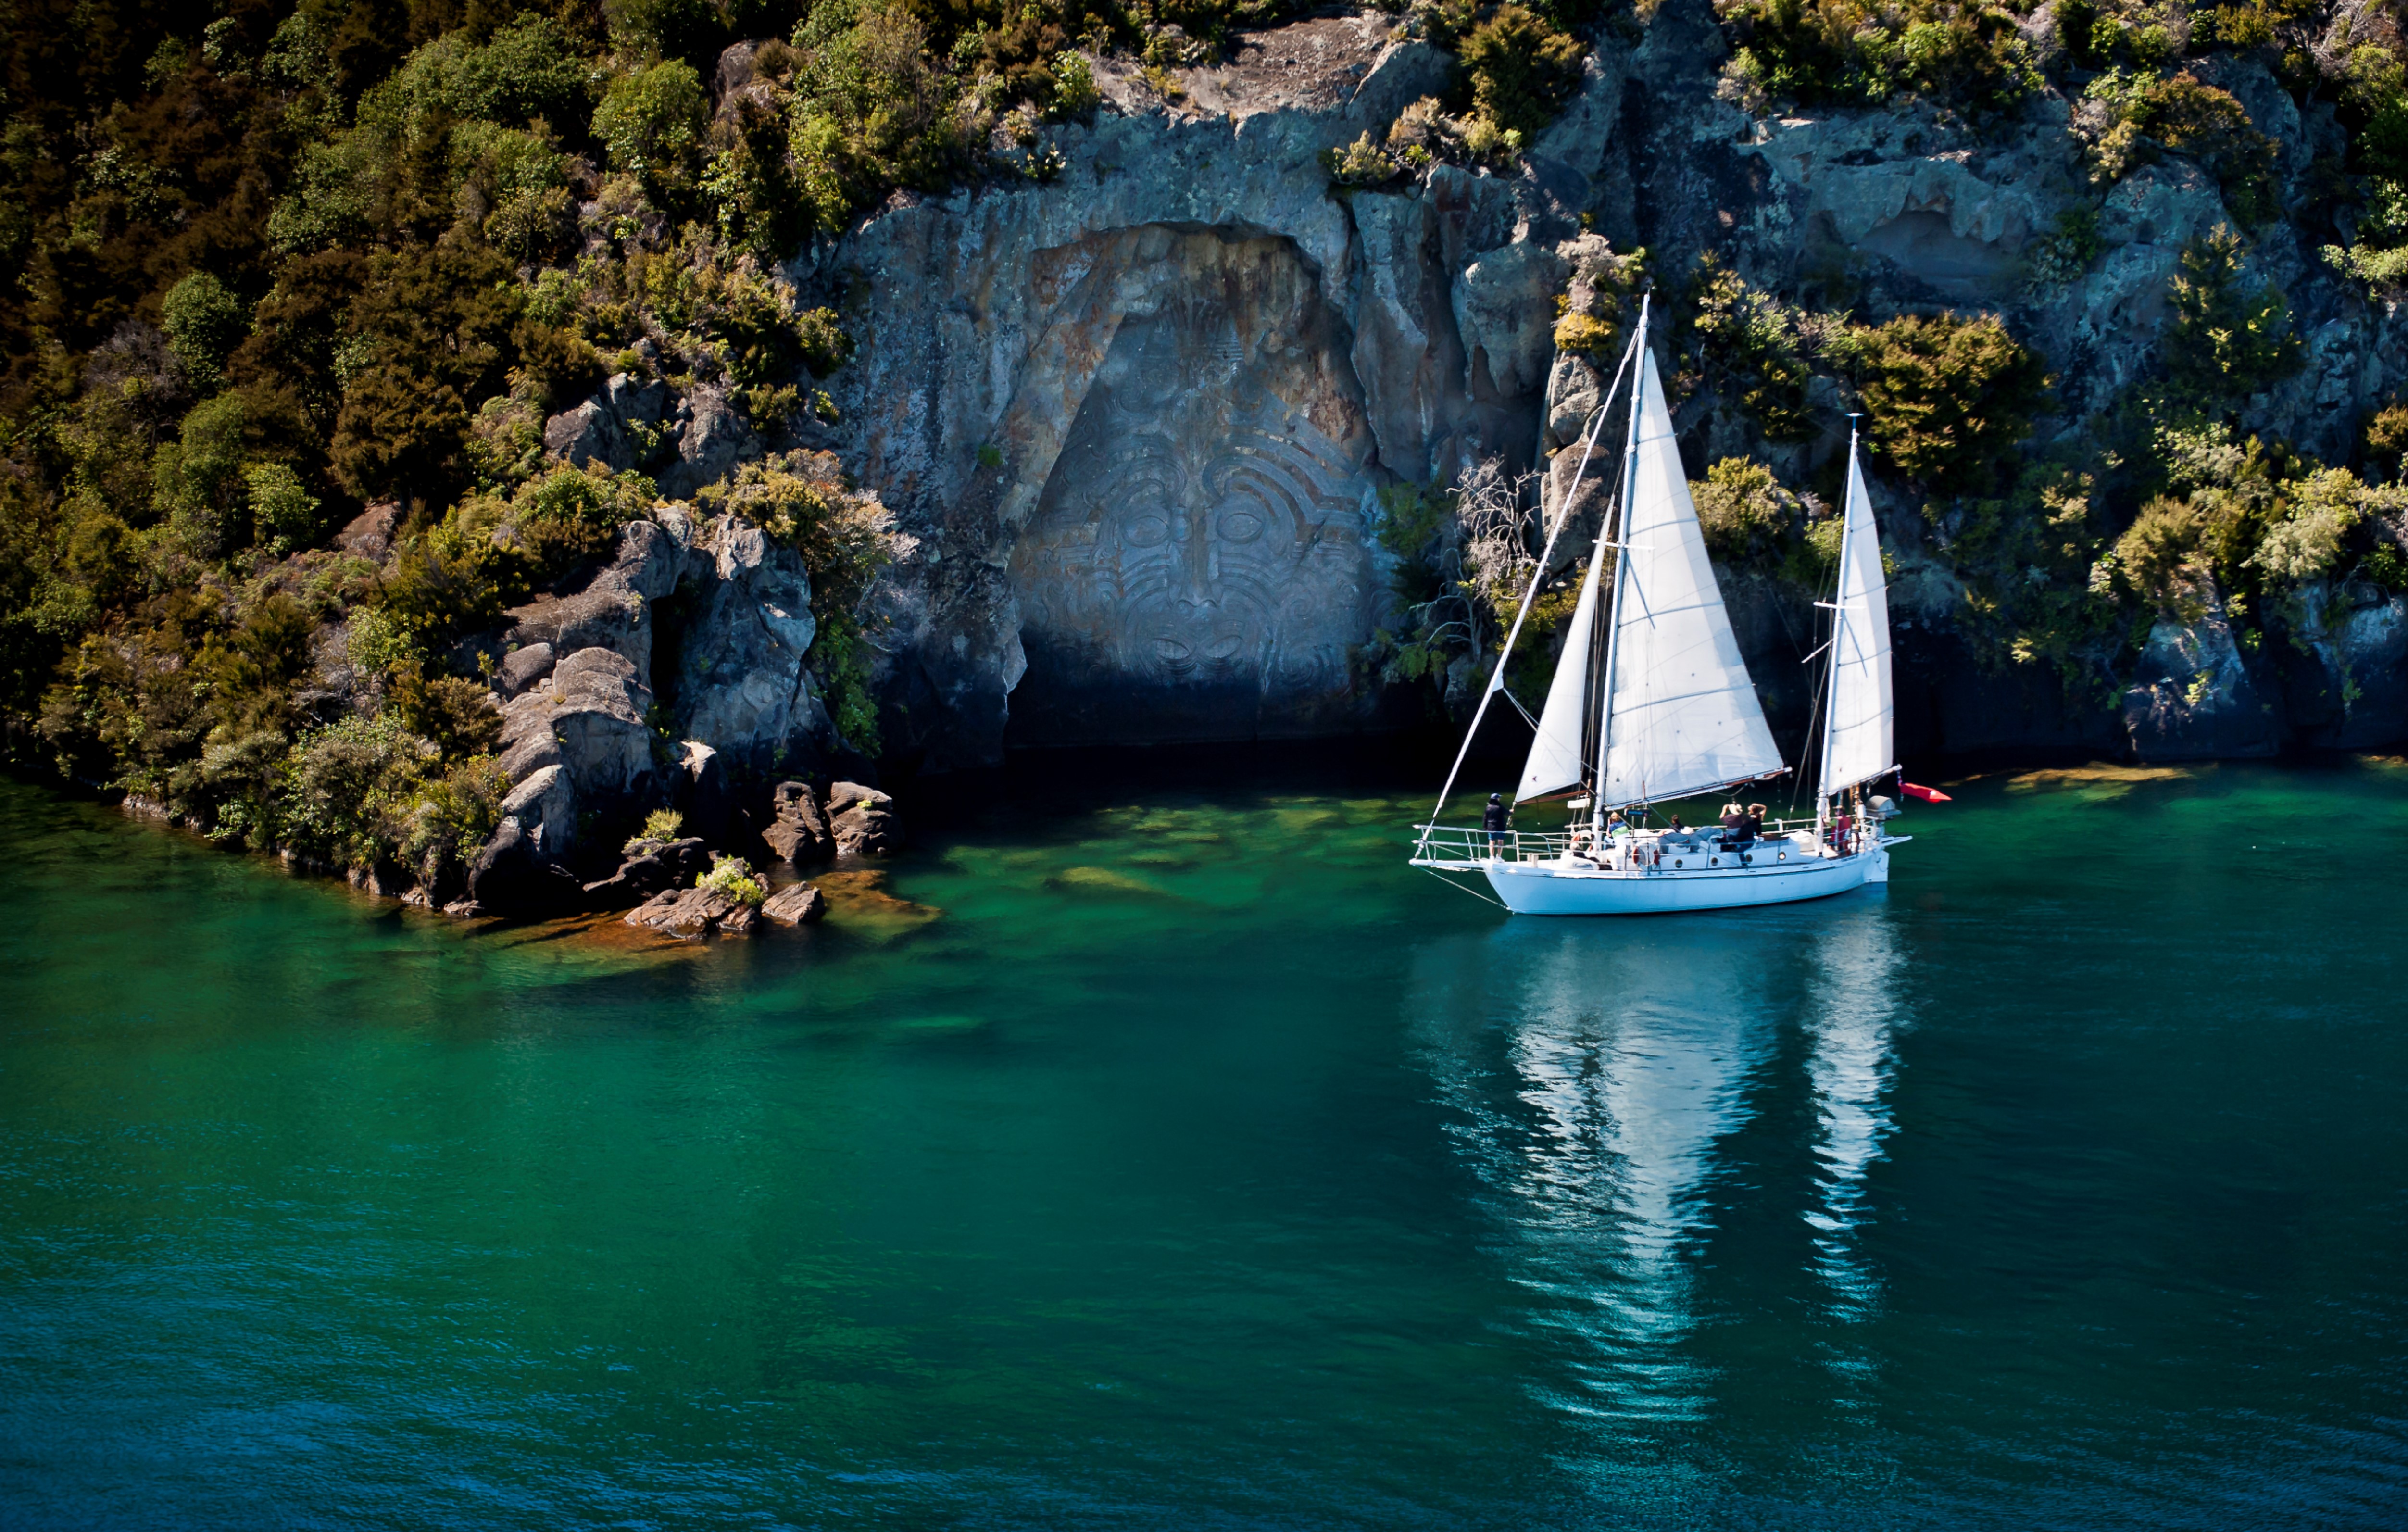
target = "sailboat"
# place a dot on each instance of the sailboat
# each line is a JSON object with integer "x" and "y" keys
{"x": 1651, "y": 703}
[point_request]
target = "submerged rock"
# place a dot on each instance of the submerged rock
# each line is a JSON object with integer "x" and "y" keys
{"x": 798, "y": 904}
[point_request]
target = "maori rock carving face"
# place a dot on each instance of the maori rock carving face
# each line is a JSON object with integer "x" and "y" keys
{"x": 1196, "y": 557}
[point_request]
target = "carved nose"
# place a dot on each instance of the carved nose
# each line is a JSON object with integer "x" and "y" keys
{"x": 1195, "y": 559}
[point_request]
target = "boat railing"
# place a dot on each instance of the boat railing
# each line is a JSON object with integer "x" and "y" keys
{"x": 1467, "y": 846}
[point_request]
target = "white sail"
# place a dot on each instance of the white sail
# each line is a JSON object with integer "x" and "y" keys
{"x": 1556, "y": 759}
{"x": 1682, "y": 714}
{"x": 1857, "y": 743}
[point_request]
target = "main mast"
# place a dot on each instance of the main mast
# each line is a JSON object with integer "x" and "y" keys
{"x": 1621, "y": 571}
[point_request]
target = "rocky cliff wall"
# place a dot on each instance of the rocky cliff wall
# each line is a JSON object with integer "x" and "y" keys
{"x": 1136, "y": 417}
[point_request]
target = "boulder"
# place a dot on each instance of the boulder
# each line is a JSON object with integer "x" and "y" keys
{"x": 797, "y": 831}
{"x": 590, "y": 433}
{"x": 863, "y": 821}
{"x": 521, "y": 668}
{"x": 798, "y": 904}
{"x": 639, "y": 877}
{"x": 711, "y": 442}
{"x": 369, "y": 535}
{"x": 589, "y": 717}
{"x": 693, "y": 913}
{"x": 545, "y": 806}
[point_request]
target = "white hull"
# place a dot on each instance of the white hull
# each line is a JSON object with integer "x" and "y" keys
{"x": 1569, "y": 888}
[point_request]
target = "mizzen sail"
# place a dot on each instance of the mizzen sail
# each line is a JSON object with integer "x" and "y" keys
{"x": 1857, "y": 743}
{"x": 1682, "y": 715}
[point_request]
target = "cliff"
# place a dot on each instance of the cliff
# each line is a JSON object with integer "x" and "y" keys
{"x": 1137, "y": 416}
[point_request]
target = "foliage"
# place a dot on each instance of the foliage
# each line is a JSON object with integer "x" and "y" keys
{"x": 846, "y": 538}
{"x": 663, "y": 825}
{"x": 1948, "y": 399}
{"x": 1362, "y": 162}
{"x": 203, "y": 321}
{"x": 733, "y": 877}
{"x": 1518, "y": 69}
{"x": 651, "y": 121}
{"x": 1744, "y": 512}
{"x": 2225, "y": 343}
{"x": 1748, "y": 343}
{"x": 1854, "y": 52}
{"x": 1599, "y": 302}
{"x": 2129, "y": 118}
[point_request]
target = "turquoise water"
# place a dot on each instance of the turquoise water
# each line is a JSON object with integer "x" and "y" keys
{"x": 1173, "y": 1156}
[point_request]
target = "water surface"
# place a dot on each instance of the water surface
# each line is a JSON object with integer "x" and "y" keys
{"x": 1201, "y": 1166}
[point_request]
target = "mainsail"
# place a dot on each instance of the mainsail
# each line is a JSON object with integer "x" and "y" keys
{"x": 1856, "y": 743}
{"x": 1681, "y": 715}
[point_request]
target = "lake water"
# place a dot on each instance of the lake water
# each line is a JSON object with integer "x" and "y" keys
{"x": 1201, "y": 1166}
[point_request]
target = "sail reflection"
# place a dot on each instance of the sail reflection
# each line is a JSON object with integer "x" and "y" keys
{"x": 1599, "y": 1070}
{"x": 1852, "y": 1014}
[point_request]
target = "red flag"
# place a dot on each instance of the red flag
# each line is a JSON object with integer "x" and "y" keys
{"x": 1929, "y": 795}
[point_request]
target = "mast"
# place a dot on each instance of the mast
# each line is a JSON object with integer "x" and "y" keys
{"x": 1858, "y": 728}
{"x": 1621, "y": 574}
{"x": 1839, "y": 633}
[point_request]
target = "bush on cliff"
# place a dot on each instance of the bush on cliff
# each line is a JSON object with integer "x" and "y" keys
{"x": 1946, "y": 399}
{"x": 1850, "y": 52}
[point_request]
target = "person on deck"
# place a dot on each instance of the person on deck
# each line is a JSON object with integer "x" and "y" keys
{"x": 1756, "y": 822}
{"x": 1619, "y": 838}
{"x": 1735, "y": 830}
{"x": 1494, "y": 820}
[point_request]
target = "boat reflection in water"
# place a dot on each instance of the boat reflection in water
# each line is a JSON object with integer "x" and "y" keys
{"x": 1602, "y": 1075}
{"x": 1852, "y": 1015}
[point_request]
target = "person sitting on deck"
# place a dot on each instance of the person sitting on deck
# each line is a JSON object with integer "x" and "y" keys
{"x": 1735, "y": 830}
{"x": 1618, "y": 835}
{"x": 1756, "y": 822}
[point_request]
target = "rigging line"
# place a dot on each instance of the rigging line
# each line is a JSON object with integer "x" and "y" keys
{"x": 1519, "y": 709}
{"x": 1546, "y": 556}
{"x": 1466, "y": 888}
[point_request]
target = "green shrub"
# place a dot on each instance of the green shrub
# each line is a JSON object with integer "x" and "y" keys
{"x": 204, "y": 323}
{"x": 2225, "y": 343}
{"x": 1752, "y": 345}
{"x": 1744, "y": 512}
{"x": 1519, "y": 69}
{"x": 1855, "y": 53}
{"x": 453, "y": 713}
{"x": 1362, "y": 162}
{"x": 1948, "y": 399}
{"x": 733, "y": 877}
{"x": 651, "y": 121}
{"x": 283, "y": 512}
{"x": 2132, "y": 117}
{"x": 663, "y": 825}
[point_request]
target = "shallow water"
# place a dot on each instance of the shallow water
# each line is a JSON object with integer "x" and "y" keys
{"x": 1200, "y": 1165}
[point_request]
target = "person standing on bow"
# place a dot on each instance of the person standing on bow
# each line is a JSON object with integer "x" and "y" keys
{"x": 1494, "y": 820}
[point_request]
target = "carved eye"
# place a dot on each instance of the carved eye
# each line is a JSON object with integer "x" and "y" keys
{"x": 1241, "y": 526}
{"x": 1145, "y": 531}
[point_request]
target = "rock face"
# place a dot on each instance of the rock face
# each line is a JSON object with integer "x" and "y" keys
{"x": 1194, "y": 565}
{"x": 861, "y": 819}
{"x": 797, "y": 831}
{"x": 2193, "y": 696}
{"x": 1137, "y": 417}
